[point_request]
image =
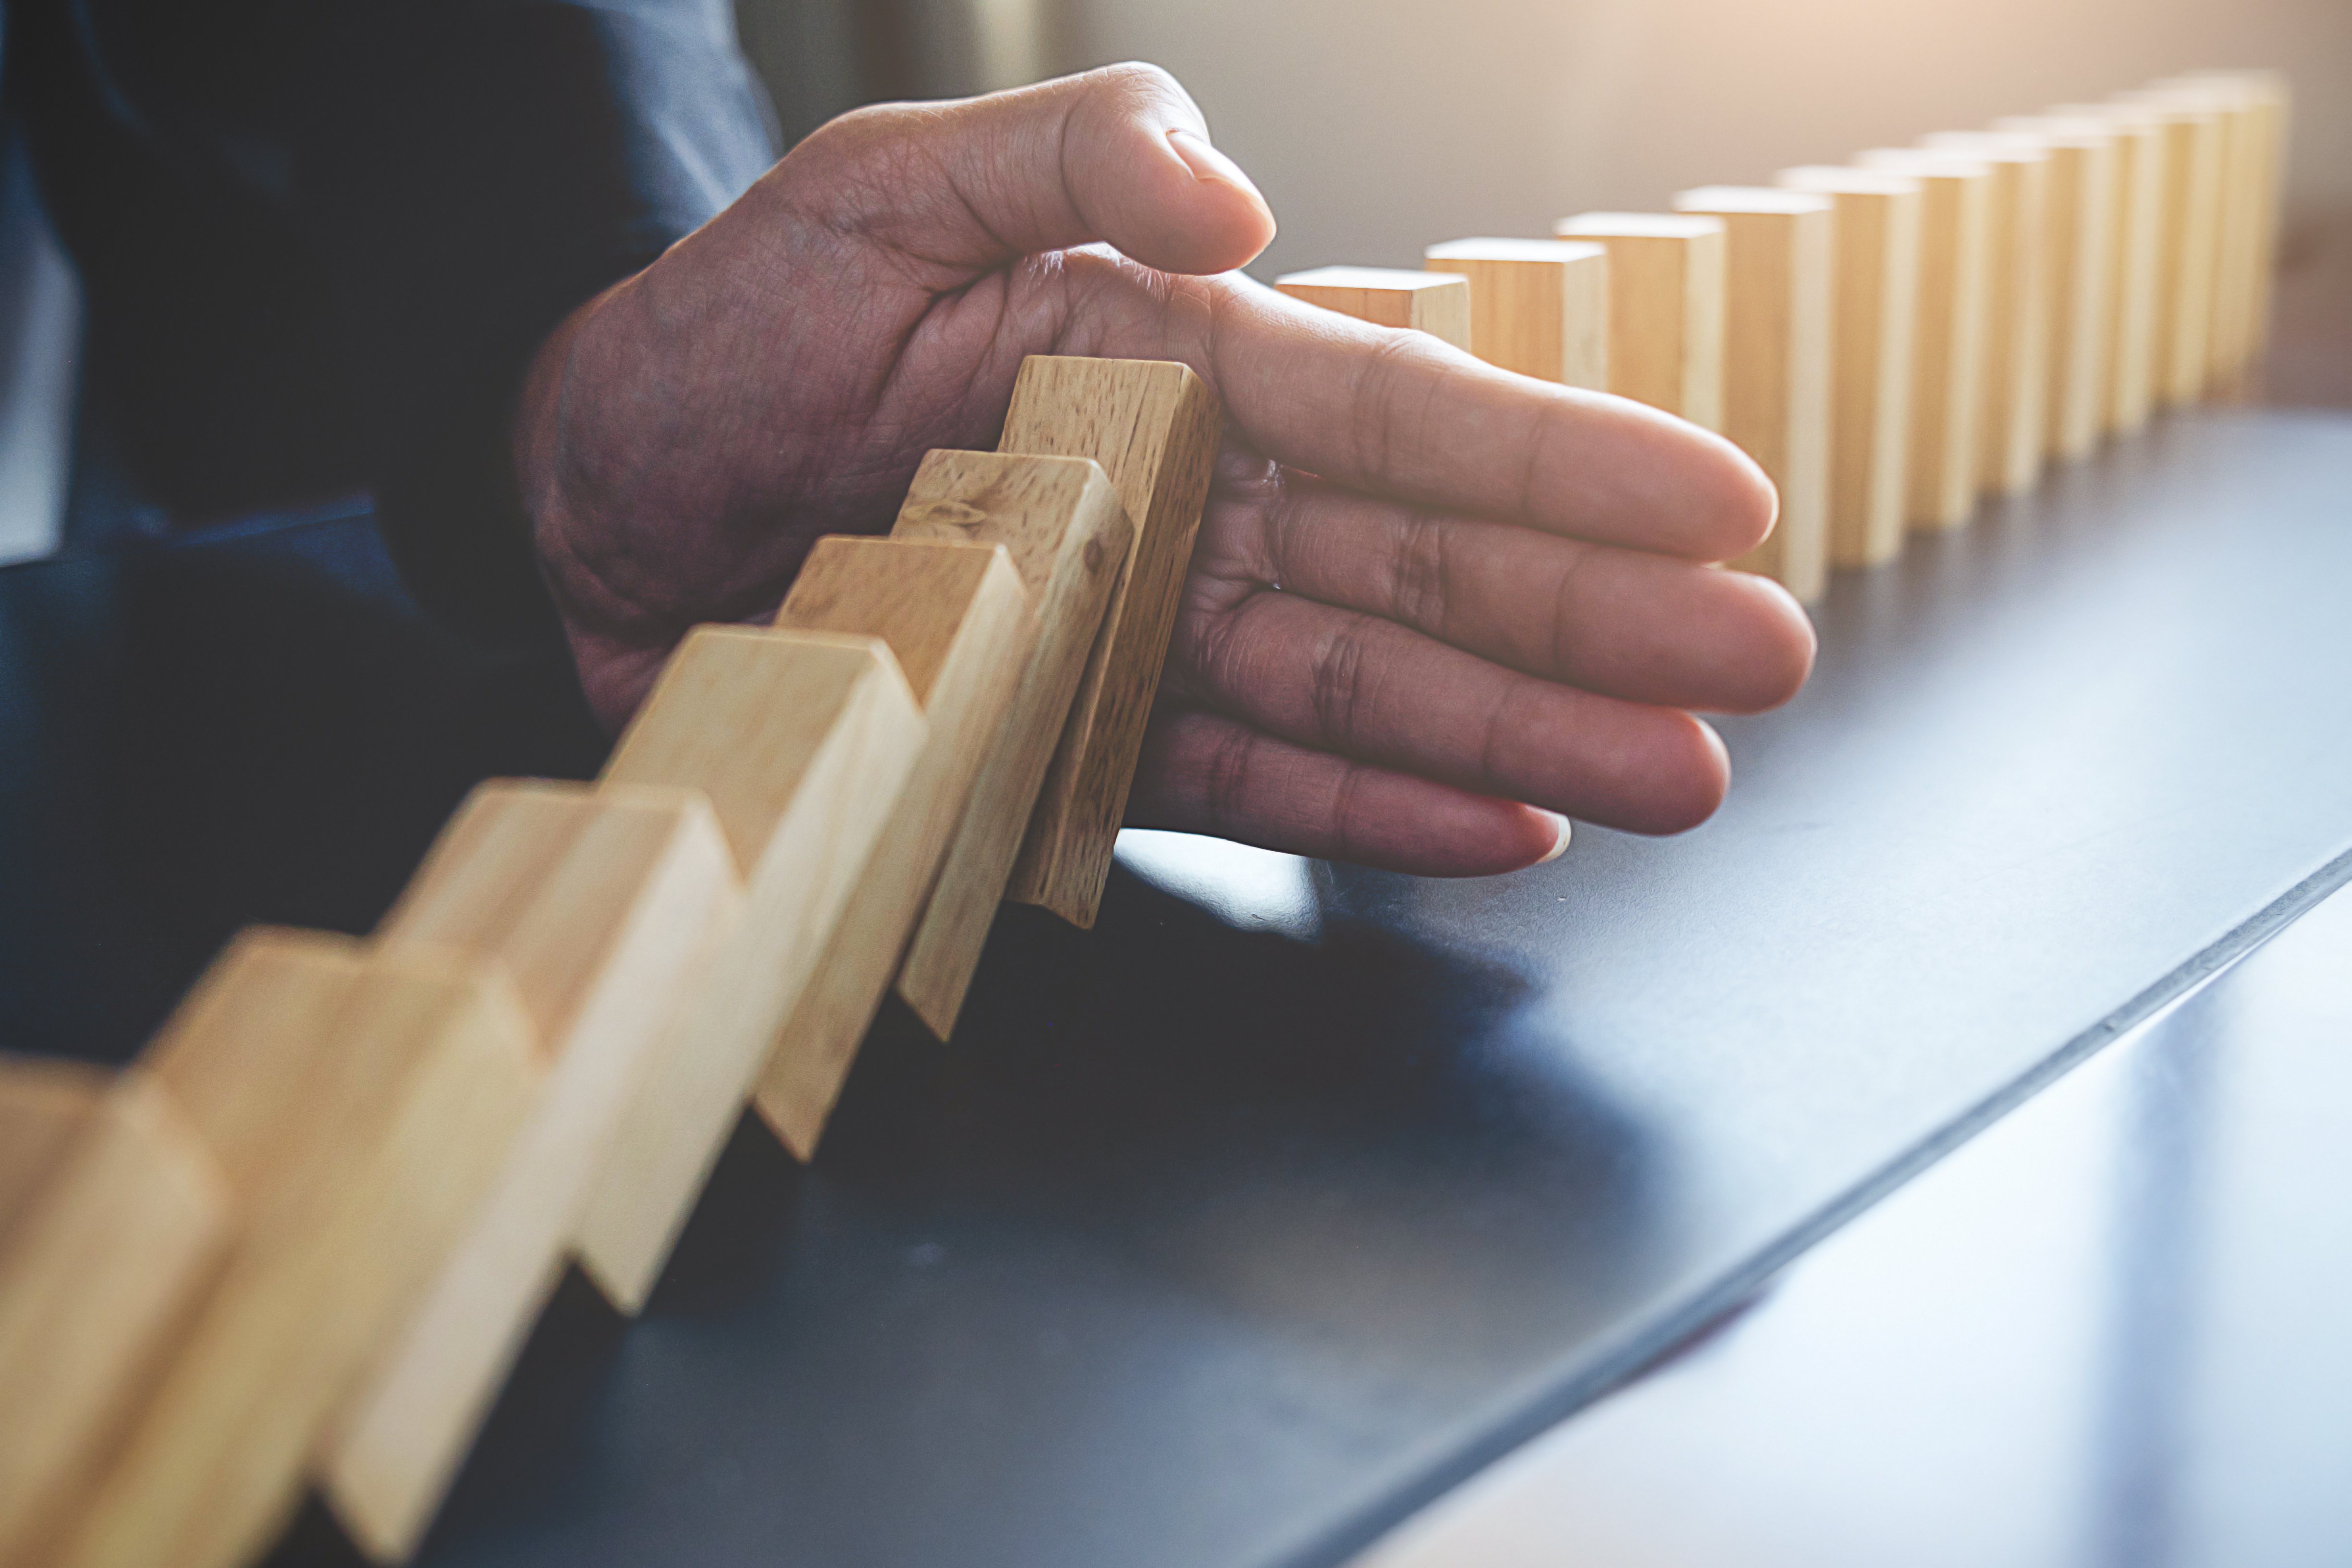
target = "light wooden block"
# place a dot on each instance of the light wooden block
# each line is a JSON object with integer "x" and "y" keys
{"x": 1779, "y": 249}
{"x": 1878, "y": 221}
{"x": 1066, "y": 533}
{"x": 803, "y": 742}
{"x": 1437, "y": 303}
{"x": 2080, "y": 232}
{"x": 604, "y": 907}
{"x": 2015, "y": 373}
{"x": 359, "y": 1110}
{"x": 2252, "y": 109}
{"x": 1539, "y": 306}
{"x": 2135, "y": 247}
{"x": 1154, "y": 427}
{"x": 957, "y": 616}
{"x": 1949, "y": 329}
{"x": 115, "y": 1238}
{"x": 42, "y": 1103}
{"x": 1665, "y": 307}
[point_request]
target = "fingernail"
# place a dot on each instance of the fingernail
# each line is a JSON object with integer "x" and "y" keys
{"x": 1560, "y": 845}
{"x": 1207, "y": 163}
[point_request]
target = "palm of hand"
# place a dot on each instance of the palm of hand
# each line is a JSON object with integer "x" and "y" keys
{"x": 1424, "y": 591}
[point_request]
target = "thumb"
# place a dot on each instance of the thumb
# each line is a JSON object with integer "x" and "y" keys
{"x": 1119, "y": 155}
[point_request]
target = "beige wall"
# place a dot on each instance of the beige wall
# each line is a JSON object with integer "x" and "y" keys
{"x": 1375, "y": 126}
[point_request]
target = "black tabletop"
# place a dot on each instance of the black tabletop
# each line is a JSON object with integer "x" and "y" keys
{"x": 1228, "y": 1232}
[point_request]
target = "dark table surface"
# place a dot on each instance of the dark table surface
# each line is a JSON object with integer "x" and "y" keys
{"x": 1231, "y": 1231}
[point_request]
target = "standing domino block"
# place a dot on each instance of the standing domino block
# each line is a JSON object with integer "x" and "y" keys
{"x": 956, "y": 615}
{"x": 1067, "y": 533}
{"x": 1539, "y": 306}
{"x": 2136, "y": 230}
{"x": 1949, "y": 330}
{"x": 803, "y": 742}
{"x": 359, "y": 1106}
{"x": 112, "y": 1216}
{"x": 2252, "y": 109}
{"x": 1778, "y": 251}
{"x": 1665, "y": 307}
{"x": 2015, "y": 376}
{"x": 1437, "y": 303}
{"x": 1153, "y": 427}
{"x": 2079, "y": 233}
{"x": 604, "y": 907}
{"x": 2187, "y": 237}
{"x": 1878, "y": 218}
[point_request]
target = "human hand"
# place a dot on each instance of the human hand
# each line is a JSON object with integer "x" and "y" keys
{"x": 1431, "y": 602}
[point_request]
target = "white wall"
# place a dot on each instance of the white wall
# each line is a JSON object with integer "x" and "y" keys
{"x": 1376, "y": 126}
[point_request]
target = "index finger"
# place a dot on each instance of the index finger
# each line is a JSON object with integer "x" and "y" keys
{"x": 1399, "y": 412}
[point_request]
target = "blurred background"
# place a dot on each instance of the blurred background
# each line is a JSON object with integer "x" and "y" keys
{"x": 1378, "y": 126}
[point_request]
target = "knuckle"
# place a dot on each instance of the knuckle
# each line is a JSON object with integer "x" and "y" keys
{"x": 1417, "y": 574}
{"x": 1335, "y": 685}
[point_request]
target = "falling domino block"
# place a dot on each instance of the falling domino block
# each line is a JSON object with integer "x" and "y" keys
{"x": 1066, "y": 533}
{"x": 1665, "y": 307}
{"x": 1153, "y": 427}
{"x": 2135, "y": 228}
{"x": 1437, "y": 303}
{"x": 603, "y": 906}
{"x": 803, "y": 742}
{"x": 1949, "y": 329}
{"x": 957, "y": 616}
{"x": 1539, "y": 306}
{"x": 1776, "y": 362}
{"x": 1878, "y": 218}
{"x": 358, "y": 1106}
{"x": 2079, "y": 233}
{"x": 2015, "y": 376}
{"x": 114, "y": 1216}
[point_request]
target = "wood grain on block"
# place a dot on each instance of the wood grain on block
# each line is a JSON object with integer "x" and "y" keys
{"x": 113, "y": 1243}
{"x": 1665, "y": 307}
{"x": 1877, "y": 273}
{"x": 956, "y": 613}
{"x": 359, "y": 1110}
{"x": 2135, "y": 226}
{"x": 1153, "y": 427}
{"x": 1539, "y": 306}
{"x": 803, "y": 742}
{"x": 1949, "y": 329}
{"x": 1776, "y": 362}
{"x": 2079, "y": 233}
{"x": 43, "y": 1100}
{"x": 2014, "y": 378}
{"x": 604, "y": 907}
{"x": 1068, "y": 534}
{"x": 1437, "y": 303}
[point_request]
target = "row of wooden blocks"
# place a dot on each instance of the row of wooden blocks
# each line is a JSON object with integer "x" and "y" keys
{"x": 299, "y": 1241}
{"x": 1893, "y": 337}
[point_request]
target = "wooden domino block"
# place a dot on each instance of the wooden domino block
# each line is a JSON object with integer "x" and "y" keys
{"x": 1154, "y": 427}
{"x": 1778, "y": 254}
{"x": 2136, "y": 231}
{"x": 604, "y": 907}
{"x": 803, "y": 742}
{"x": 43, "y": 1102}
{"x": 1437, "y": 303}
{"x": 1949, "y": 329}
{"x": 2080, "y": 234}
{"x": 2250, "y": 109}
{"x": 1539, "y": 306}
{"x": 118, "y": 1217}
{"x": 1066, "y": 533}
{"x": 957, "y": 616}
{"x": 358, "y": 1106}
{"x": 1878, "y": 220}
{"x": 2015, "y": 374}
{"x": 1665, "y": 307}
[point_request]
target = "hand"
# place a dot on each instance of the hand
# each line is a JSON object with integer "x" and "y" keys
{"x": 1433, "y": 604}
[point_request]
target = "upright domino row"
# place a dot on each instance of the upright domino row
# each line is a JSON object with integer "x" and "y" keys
{"x": 298, "y": 1243}
{"x": 1893, "y": 337}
